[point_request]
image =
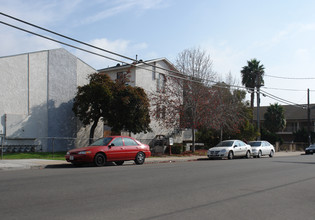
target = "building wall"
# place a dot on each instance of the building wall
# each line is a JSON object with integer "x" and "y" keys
{"x": 147, "y": 77}
{"x": 36, "y": 99}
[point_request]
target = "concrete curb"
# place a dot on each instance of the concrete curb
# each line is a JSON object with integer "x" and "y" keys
{"x": 42, "y": 164}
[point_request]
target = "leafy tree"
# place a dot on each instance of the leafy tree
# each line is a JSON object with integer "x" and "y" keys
{"x": 274, "y": 118}
{"x": 250, "y": 74}
{"x": 271, "y": 137}
{"x": 129, "y": 109}
{"x": 93, "y": 101}
{"x": 121, "y": 107}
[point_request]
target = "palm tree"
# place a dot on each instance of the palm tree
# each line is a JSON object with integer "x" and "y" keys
{"x": 274, "y": 118}
{"x": 250, "y": 74}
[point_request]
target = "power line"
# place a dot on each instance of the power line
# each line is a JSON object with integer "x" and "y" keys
{"x": 294, "y": 78}
{"x": 69, "y": 38}
{"x": 281, "y": 99}
{"x": 60, "y": 42}
{"x": 292, "y": 90}
{"x": 182, "y": 76}
{"x": 84, "y": 43}
{"x": 113, "y": 53}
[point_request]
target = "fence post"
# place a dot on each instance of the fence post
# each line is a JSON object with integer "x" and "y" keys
{"x": 277, "y": 146}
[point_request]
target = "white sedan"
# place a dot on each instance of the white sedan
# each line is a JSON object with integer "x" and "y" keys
{"x": 262, "y": 148}
{"x": 230, "y": 149}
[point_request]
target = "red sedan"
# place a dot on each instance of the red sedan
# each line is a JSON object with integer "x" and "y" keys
{"x": 114, "y": 148}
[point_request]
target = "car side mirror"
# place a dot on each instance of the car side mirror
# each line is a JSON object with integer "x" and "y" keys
{"x": 111, "y": 145}
{"x": 234, "y": 146}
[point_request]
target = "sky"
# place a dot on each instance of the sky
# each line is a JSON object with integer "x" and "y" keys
{"x": 278, "y": 33}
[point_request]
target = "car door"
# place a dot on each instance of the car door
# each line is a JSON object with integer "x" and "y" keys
{"x": 243, "y": 148}
{"x": 131, "y": 148}
{"x": 265, "y": 148}
{"x": 115, "y": 150}
{"x": 237, "y": 149}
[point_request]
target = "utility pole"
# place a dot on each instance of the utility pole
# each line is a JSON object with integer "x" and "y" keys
{"x": 258, "y": 103}
{"x": 308, "y": 117}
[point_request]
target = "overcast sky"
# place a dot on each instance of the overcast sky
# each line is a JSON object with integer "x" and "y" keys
{"x": 279, "y": 33}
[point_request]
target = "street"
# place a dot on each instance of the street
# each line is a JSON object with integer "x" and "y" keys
{"x": 266, "y": 188}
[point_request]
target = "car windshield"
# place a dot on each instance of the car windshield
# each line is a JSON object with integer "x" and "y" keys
{"x": 225, "y": 144}
{"x": 102, "y": 142}
{"x": 255, "y": 144}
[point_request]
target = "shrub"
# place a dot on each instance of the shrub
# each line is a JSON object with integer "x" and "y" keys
{"x": 176, "y": 149}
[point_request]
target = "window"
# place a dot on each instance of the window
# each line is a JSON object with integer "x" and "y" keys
{"x": 160, "y": 83}
{"x": 117, "y": 142}
{"x": 240, "y": 143}
{"x": 102, "y": 142}
{"x": 160, "y": 112}
{"x": 267, "y": 144}
{"x": 154, "y": 71}
{"x": 120, "y": 76}
{"x": 130, "y": 142}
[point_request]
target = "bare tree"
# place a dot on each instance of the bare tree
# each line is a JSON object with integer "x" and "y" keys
{"x": 186, "y": 98}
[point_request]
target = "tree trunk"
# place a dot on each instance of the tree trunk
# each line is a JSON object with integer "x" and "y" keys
{"x": 92, "y": 131}
{"x": 252, "y": 97}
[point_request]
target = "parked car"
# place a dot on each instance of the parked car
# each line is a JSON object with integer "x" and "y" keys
{"x": 114, "y": 148}
{"x": 310, "y": 149}
{"x": 262, "y": 148}
{"x": 230, "y": 149}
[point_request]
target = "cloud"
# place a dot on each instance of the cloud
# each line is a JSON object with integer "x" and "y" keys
{"x": 122, "y": 6}
{"x": 40, "y": 12}
{"x": 119, "y": 46}
{"x": 17, "y": 42}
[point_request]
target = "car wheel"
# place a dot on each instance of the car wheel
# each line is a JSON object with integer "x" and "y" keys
{"x": 119, "y": 163}
{"x": 247, "y": 154}
{"x": 140, "y": 158}
{"x": 230, "y": 155}
{"x": 271, "y": 153}
{"x": 259, "y": 154}
{"x": 99, "y": 160}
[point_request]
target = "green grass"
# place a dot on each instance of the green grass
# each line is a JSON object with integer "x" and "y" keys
{"x": 35, "y": 155}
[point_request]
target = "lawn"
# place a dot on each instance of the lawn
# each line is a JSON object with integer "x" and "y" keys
{"x": 35, "y": 155}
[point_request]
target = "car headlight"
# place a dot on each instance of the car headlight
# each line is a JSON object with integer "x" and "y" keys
{"x": 223, "y": 151}
{"x": 68, "y": 153}
{"x": 84, "y": 152}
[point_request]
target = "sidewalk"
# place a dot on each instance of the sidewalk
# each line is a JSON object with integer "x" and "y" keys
{"x": 41, "y": 164}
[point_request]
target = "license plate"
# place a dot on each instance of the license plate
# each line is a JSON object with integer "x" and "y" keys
{"x": 71, "y": 158}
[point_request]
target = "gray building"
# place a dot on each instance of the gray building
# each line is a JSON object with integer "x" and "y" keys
{"x": 36, "y": 98}
{"x": 296, "y": 119}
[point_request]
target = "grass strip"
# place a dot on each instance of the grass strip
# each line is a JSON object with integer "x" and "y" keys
{"x": 35, "y": 155}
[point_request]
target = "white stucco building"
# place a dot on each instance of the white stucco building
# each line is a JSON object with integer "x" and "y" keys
{"x": 36, "y": 98}
{"x": 152, "y": 79}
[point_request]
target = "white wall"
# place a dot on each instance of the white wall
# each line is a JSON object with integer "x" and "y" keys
{"x": 36, "y": 97}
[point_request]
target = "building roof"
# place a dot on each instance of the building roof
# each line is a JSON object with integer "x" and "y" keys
{"x": 139, "y": 63}
{"x": 291, "y": 112}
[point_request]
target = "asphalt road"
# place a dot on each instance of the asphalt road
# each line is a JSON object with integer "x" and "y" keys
{"x": 266, "y": 188}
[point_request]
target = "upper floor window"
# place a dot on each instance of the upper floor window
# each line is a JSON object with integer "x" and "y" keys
{"x": 120, "y": 76}
{"x": 160, "y": 83}
{"x": 154, "y": 71}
